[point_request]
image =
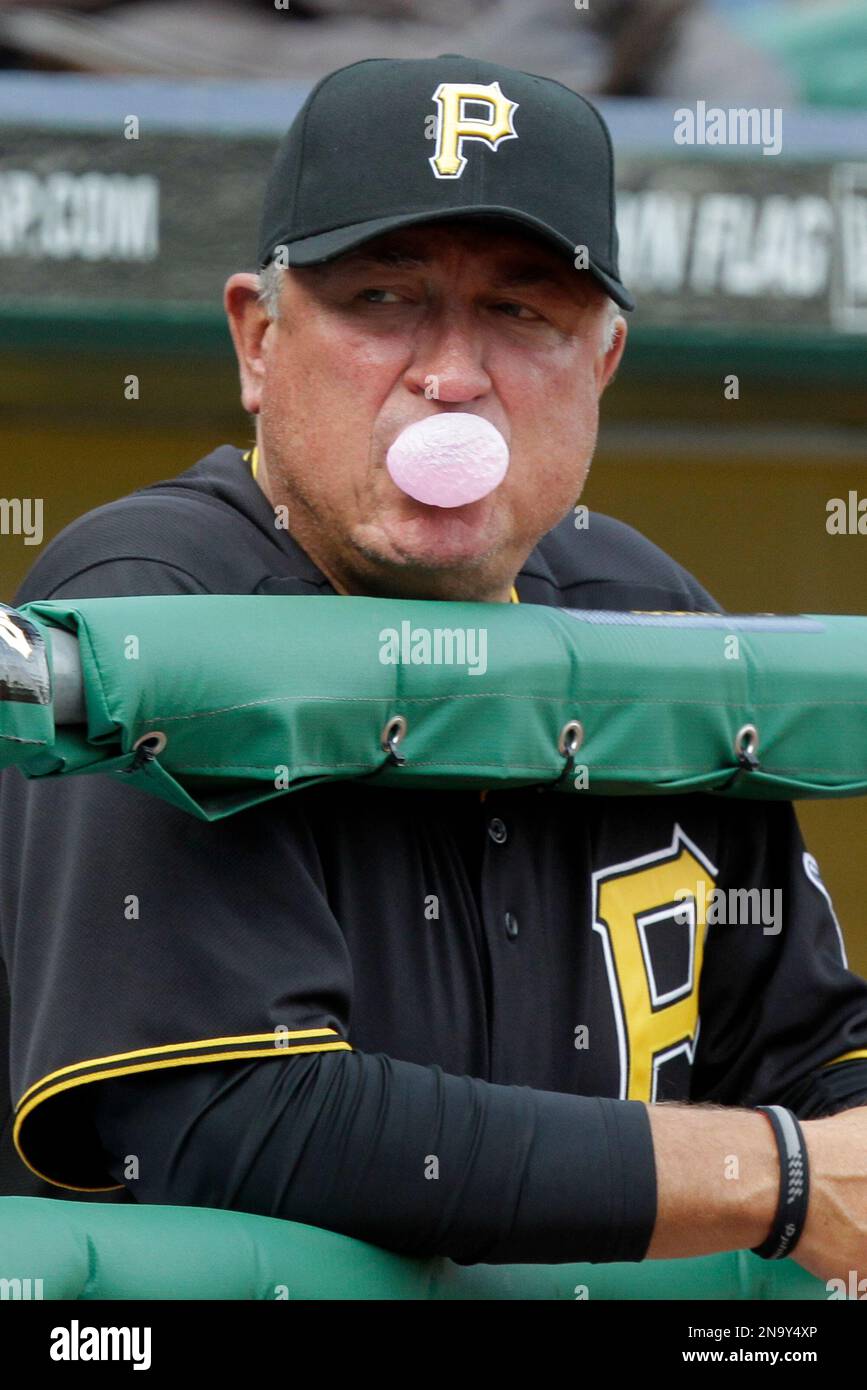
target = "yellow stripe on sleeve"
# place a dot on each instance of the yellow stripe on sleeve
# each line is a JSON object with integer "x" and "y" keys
{"x": 847, "y": 1057}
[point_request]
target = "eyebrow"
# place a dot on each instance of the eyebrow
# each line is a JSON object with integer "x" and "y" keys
{"x": 521, "y": 275}
{"x": 516, "y": 274}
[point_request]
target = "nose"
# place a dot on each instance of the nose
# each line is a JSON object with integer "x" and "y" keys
{"x": 448, "y": 362}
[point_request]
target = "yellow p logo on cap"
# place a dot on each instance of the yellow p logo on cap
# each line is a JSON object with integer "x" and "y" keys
{"x": 453, "y": 127}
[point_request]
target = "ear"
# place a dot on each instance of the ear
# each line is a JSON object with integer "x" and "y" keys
{"x": 248, "y": 324}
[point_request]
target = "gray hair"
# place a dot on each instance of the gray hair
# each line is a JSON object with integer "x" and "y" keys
{"x": 271, "y": 282}
{"x": 612, "y": 314}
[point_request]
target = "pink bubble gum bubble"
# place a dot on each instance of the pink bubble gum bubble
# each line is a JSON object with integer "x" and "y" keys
{"x": 448, "y": 460}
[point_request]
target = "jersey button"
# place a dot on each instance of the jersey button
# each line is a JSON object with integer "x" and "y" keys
{"x": 511, "y": 923}
{"x": 497, "y": 831}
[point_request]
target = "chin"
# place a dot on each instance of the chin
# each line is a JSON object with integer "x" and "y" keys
{"x": 451, "y": 546}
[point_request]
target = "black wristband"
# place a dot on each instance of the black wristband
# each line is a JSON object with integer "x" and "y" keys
{"x": 794, "y": 1185}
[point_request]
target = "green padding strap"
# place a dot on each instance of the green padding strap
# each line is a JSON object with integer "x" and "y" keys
{"x": 259, "y": 695}
{"x": 86, "y": 1250}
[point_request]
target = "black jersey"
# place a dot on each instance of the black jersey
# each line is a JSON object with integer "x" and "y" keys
{"x": 487, "y": 980}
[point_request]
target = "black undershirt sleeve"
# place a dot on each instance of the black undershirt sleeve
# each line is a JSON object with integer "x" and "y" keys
{"x": 405, "y": 1156}
{"x": 829, "y": 1091}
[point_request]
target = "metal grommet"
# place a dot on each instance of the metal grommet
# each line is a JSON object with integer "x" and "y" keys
{"x": 571, "y": 738}
{"x": 747, "y": 746}
{"x": 152, "y": 743}
{"x": 497, "y": 831}
{"x": 392, "y": 733}
{"x": 146, "y": 748}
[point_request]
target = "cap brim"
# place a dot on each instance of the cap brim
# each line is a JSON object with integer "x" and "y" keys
{"x": 325, "y": 246}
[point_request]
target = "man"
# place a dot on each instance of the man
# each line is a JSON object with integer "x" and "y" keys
{"x": 529, "y": 1076}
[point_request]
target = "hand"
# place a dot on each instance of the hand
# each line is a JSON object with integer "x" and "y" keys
{"x": 834, "y": 1239}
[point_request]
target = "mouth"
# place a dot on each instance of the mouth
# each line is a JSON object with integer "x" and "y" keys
{"x": 465, "y": 511}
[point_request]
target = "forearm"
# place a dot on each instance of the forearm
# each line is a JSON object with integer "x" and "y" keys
{"x": 416, "y": 1160}
{"x": 405, "y": 1156}
{"x": 718, "y": 1179}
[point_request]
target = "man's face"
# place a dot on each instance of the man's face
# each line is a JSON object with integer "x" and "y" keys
{"x": 449, "y": 316}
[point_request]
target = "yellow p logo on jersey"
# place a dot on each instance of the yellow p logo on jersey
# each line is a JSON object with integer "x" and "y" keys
{"x": 453, "y": 127}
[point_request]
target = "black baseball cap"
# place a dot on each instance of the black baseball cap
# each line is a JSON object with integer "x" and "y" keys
{"x": 391, "y": 142}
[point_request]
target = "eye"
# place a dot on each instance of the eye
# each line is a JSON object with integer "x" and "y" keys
{"x": 363, "y": 294}
{"x": 515, "y": 311}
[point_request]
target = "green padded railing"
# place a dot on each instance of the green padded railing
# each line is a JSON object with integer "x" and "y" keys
{"x": 85, "y": 1250}
{"x": 219, "y": 702}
